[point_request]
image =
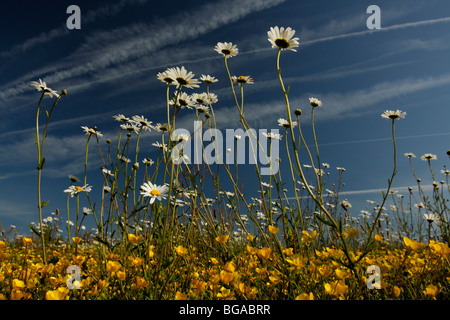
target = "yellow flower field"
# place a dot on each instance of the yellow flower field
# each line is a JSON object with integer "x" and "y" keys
{"x": 171, "y": 229}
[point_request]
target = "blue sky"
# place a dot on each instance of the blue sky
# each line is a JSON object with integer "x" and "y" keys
{"x": 110, "y": 65}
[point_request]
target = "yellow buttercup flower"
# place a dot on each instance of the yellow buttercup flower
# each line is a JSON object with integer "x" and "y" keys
{"x": 222, "y": 239}
{"x": 250, "y": 237}
{"x": 264, "y": 253}
{"x": 121, "y": 275}
{"x": 182, "y": 251}
{"x": 352, "y": 232}
{"x": 309, "y": 238}
{"x": 113, "y": 266}
{"x": 27, "y": 241}
{"x": 439, "y": 248}
{"x": 18, "y": 284}
{"x": 336, "y": 288}
{"x": 252, "y": 250}
{"x": 230, "y": 266}
{"x": 412, "y": 244}
{"x": 378, "y": 238}
{"x": 431, "y": 290}
{"x": 180, "y": 296}
{"x": 58, "y": 294}
{"x": 305, "y": 296}
{"x": 134, "y": 238}
{"x": 273, "y": 230}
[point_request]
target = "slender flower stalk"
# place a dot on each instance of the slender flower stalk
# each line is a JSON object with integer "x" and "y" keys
{"x": 42, "y": 86}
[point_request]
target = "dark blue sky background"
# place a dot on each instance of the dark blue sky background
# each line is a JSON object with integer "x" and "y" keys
{"x": 110, "y": 66}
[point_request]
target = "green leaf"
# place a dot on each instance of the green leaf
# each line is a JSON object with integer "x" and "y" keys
{"x": 328, "y": 223}
{"x": 44, "y": 203}
{"x": 41, "y": 164}
{"x": 34, "y": 230}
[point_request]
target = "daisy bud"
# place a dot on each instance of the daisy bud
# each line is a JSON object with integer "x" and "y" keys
{"x": 207, "y": 115}
{"x": 136, "y": 166}
{"x": 64, "y": 92}
{"x": 298, "y": 112}
{"x": 108, "y": 141}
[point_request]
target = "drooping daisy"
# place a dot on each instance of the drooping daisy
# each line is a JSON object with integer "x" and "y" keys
{"x": 131, "y": 127}
{"x": 394, "y": 115}
{"x": 167, "y": 76}
{"x": 91, "y": 131}
{"x": 121, "y": 118}
{"x": 242, "y": 80}
{"x": 212, "y": 98}
{"x": 282, "y": 38}
{"x": 430, "y": 217}
{"x": 142, "y": 122}
{"x": 185, "y": 78}
{"x": 183, "y": 101}
{"x": 154, "y": 191}
{"x": 227, "y": 49}
{"x": 272, "y": 135}
{"x": 148, "y": 162}
{"x": 200, "y": 98}
{"x": 162, "y": 127}
{"x": 428, "y": 156}
{"x": 42, "y": 86}
{"x": 159, "y": 145}
{"x": 202, "y": 108}
{"x": 74, "y": 190}
{"x": 285, "y": 123}
{"x": 315, "y": 102}
{"x": 409, "y": 155}
{"x": 208, "y": 79}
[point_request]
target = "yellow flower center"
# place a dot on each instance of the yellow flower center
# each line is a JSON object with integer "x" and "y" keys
{"x": 79, "y": 188}
{"x": 155, "y": 192}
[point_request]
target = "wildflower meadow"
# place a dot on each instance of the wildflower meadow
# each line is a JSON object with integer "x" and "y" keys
{"x": 181, "y": 226}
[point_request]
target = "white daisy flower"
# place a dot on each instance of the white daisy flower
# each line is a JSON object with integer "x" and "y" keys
{"x": 142, "y": 122}
{"x": 42, "y": 86}
{"x": 315, "y": 102}
{"x": 282, "y": 38}
{"x": 227, "y": 49}
{"x": 391, "y": 114}
{"x": 242, "y": 79}
{"x": 208, "y": 79}
{"x": 154, "y": 191}
{"x": 272, "y": 135}
{"x": 74, "y": 190}
{"x": 428, "y": 156}
{"x": 91, "y": 131}
{"x": 285, "y": 123}
{"x": 185, "y": 78}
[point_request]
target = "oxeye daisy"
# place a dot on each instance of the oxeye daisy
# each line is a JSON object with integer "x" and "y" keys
{"x": 200, "y": 98}
{"x": 272, "y": 135}
{"x": 183, "y": 101}
{"x": 184, "y": 78}
{"x": 409, "y": 155}
{"x": 208, "y": 79}
{"x": 315, "y": 102}
{"x": 227, "y": 49}
{"x": 394, "y": 115}
{"x": 142, "y": 122}
{"x": 285, "y": 123}
{"x": 74, "y": 190}
{"x": 42, "y": 86}
{"x": 202, "y": 108}
{"x": 428, "y": 156}
{"x": 167, "y": 76}
{"x": 154, "y": 191}
{"x": 242, "y": 79}
{"x": 91, "y": 131}
{"x": 121, "y": 118}
{"x": 282, "y": 38}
